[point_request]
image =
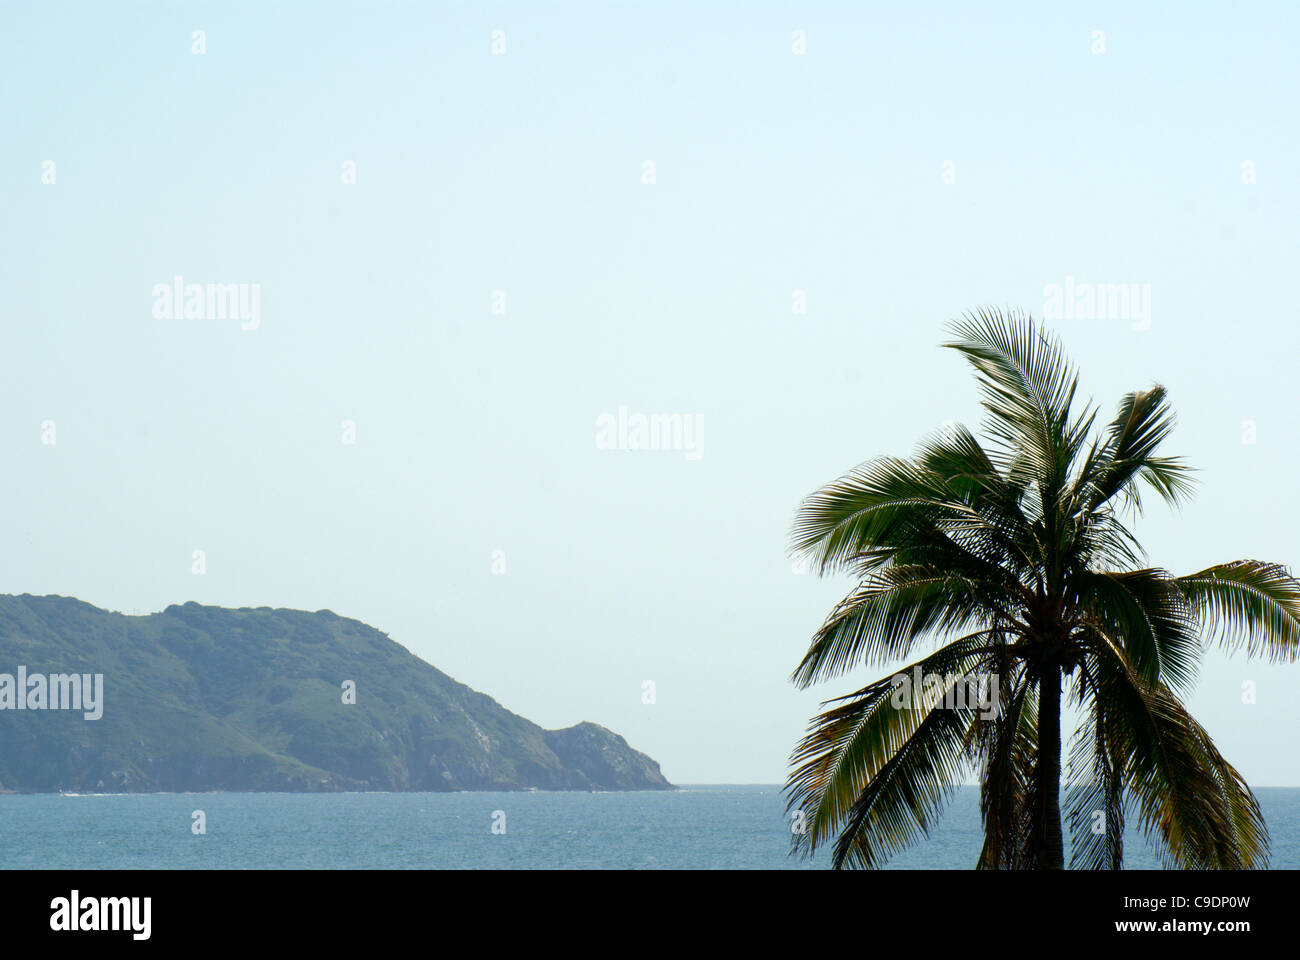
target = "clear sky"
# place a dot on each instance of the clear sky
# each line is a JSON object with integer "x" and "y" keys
{"x": 916, "y": 161}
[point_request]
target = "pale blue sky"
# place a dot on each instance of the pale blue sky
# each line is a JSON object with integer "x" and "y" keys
{"x": 522, "y": 172}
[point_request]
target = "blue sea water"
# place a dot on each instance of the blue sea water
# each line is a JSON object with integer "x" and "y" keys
{"x": 698, "y": 827}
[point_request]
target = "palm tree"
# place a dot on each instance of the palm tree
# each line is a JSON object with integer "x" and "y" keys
{"x": 1014, "y": 559}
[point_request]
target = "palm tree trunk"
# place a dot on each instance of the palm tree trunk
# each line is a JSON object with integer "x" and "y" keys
{"x": 1051, "y": 852}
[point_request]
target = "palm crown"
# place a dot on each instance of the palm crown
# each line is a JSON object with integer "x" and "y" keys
{"x": 1014, "y": 559}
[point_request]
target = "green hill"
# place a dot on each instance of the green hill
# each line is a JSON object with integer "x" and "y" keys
{"x": 204, "y": 698}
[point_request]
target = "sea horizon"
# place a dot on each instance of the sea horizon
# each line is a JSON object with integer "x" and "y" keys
{"x": 696, "y": 826}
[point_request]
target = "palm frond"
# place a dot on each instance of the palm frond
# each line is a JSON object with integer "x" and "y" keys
{"x": 1149, "y": 615}
{"x": 1142, "y": 423}
{"x": 1248, "y": 602}
{"x": 1094, "y": 810}
{"x": 1006, "y": 785}
{"x": 886, "y": 615}
{"x": 902, "y": 800}
{"x": 1185, "y": 794}
{"x": 1028, "y": 387}
{"x": 852, "y": 744}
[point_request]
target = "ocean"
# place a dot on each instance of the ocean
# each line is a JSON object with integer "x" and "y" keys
{"x": 698, "y": 827}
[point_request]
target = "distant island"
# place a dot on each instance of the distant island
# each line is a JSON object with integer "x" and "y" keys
{"x": 200, "y": 698}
